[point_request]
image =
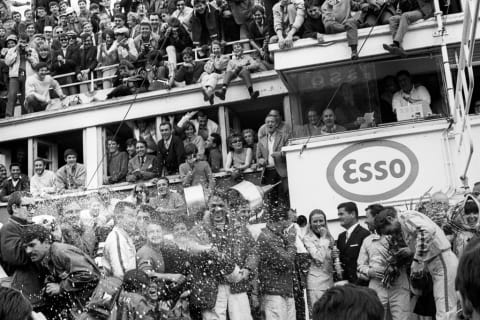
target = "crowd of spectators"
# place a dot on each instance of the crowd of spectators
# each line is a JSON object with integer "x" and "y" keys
{"x": 140, "y": 46}
{"x": 144, "y": 257}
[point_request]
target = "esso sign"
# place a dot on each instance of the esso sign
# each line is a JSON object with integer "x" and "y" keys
{"x": 372, "y": 171}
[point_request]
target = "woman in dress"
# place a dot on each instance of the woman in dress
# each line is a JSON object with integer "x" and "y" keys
{"x": 239, "y": 158}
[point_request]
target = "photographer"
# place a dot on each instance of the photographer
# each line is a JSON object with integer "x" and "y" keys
{"x": 124, "y": 45}
{"x": 146, "y": 41}
{"x": 20, "y": 59}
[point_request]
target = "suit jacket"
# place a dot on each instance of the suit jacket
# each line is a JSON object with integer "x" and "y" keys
{"x": 172, "y": 158}
{"x": 72, "y": 60}
{"x": 148, "y": 170}
{"x": 349, "y": 252}
{"x": 279, "y": 141}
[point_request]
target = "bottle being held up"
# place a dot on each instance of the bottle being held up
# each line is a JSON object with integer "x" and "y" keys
{"x": 337, "y": 264}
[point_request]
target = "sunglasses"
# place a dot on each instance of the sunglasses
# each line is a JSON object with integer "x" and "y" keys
{"x": 29, "y": 207}
{"x": 236, "y": 141}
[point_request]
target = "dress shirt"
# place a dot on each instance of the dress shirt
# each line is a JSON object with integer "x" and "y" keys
{"x": 349, "y": 231}
{"x": 270, "y": 142}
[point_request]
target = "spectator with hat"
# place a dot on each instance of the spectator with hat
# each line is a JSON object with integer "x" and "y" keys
{"x": 37, "y": 89}
{"x": 20, "y": 59}
{"x": 176, "y": 40}
{"x": 48, "y": 34}
{"x": 123, "y": 45}
{"x": 72, "y": 175}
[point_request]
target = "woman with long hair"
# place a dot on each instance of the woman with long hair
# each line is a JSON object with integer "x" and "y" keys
{"x": 106, "y": 58}
{"x": 239, "y": 157}
{"x": 191, "y": 136}
{"x": 318, "y": 242}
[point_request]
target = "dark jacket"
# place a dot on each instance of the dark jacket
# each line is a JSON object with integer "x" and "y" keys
{"x": 212, "y": 23}
{"x": 146, "y": 171}
{"x": 349, "y": 253}
{"x": 181, "y": 42}
{"x": 72, "y": 60}
{"x": 7, "y": 187}
{"x": 311, "y": 27}
{"x": 75, "y": 271}
{"x": 28, "y": 277}
{"x": 276, "y": 265}
{"x": 117, "y": 167}
{"x": 172, "y": 158}
{"x": 88, "y": 59}
{"x": 190, "y": 75}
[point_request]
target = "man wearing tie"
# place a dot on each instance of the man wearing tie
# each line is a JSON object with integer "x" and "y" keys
{"x": 143, "y": 166}
{"x": 350, "y": 241}
{"x": 171, "y": 152}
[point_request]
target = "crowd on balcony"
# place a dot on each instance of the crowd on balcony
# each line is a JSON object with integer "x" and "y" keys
{"x": 139, "y": 46}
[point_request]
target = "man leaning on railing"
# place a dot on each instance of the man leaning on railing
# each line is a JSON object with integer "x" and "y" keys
{"x": 37, "y": 89}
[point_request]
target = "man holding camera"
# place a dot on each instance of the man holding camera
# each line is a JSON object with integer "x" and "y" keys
{"x": 20, "y": 59}
{"x": 146, "y": 41}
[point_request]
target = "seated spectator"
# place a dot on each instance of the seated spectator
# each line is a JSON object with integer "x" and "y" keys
{"x": 410, "y": 93}
{"x": 192, "y": 137}
{"x": 190, "y": 71}
{"x": 183, "y": 13}
{"x": 18, "y": 75}
{"x": 72, "y": 175}
{"x": 37, "y": 89}
{"x": 329, "y": 125}
{"x": 168, "y": 201}
{"x": 250, "y": 137}
{"x": 66, "y": 60}
{"x": 313, "y": 127}
{"x": 281, "y": 126}
{"x": 205, "y": 23}
{"x": 372, "y": 14}
{"x": 214, "y": 68}
{"x": 196, "y": 171}
{"x": 408, "y": 12}
{"x": 171, "y": 151}
{"x": 16, "y": 182}
{"x": 107, "y": 59}
{"x": 239, "y": 158}
{"x": 123, "y": 45}
{"x": 131, "y": 146}
{"x": 348, "y": 302}
{"x": 43, "y": 182}
{"x": 119, "y": 255}
{"x": 288, "y": 18}
{"x": 467, "y": 280}
{"x": 139, "y": 195}
{"x": 313, "y": 26}
{"x": 176, "y": 39}
{"x": 71, "y": 272}
{"x": 143, "y": 166}
{"x": 239, "y": 66}
{"x": 336, "y": 18}
{"x": 126, "y": 81}
{"x": 88, "y": 61}
{"x": 213, "y": 151}
{"x": 117, "y": 166}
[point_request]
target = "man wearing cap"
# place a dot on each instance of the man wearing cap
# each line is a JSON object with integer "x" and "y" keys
{"x": 72, "y": 21}
{"x": 48, "y": 34}
{"x": 37, "y": 89}
{"x": 72, "y": 175}
{"x": 20, "y": 60}
{"x": 123, "y": 45}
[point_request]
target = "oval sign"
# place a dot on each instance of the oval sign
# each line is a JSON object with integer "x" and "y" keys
{"x": 372, "y": 171}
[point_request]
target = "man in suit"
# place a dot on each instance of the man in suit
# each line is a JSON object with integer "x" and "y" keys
{"x": 350, "y": 241}
{"x": 143, "y": 166}
{"x": 171, "y": 152}
{"x": 269, "y": 149}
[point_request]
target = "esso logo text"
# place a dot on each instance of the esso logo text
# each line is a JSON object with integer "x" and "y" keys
{"x": 372, "y": 171}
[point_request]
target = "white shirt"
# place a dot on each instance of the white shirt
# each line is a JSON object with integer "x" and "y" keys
{"x": 270, "y": 143}
{"x": 45, "y": 183}
{"x": 350, "y": 230}
{"x": 167, "y": 142}
{"x": 418, "y": 94}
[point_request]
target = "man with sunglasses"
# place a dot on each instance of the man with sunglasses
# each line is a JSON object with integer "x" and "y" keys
{"x": 28, "y": 277}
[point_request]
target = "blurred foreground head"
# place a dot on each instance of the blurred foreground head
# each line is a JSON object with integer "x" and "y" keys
{"x": 467, "y": 281}
{"x": 348, "y": 302}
